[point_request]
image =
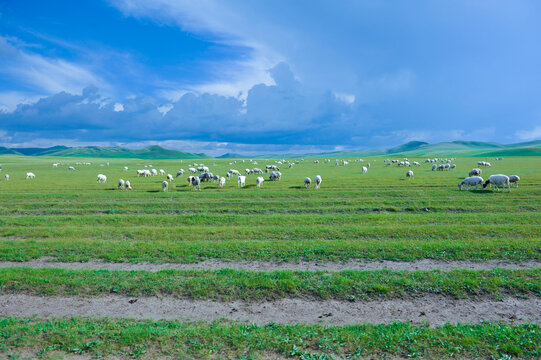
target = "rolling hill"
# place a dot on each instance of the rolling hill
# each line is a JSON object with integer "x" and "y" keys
{"x": 150, "y": 152}
{"x": 412, "y": 148}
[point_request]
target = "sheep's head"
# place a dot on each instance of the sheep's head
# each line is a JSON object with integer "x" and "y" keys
{"x": 486, "y": 184}
{"x": 460, "y": 186}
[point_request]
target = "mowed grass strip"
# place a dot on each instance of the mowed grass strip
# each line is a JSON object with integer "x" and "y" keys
{"x": 155, "y": 339}
{"x": 227, "y": 285}
{"x": 159, "y": 251}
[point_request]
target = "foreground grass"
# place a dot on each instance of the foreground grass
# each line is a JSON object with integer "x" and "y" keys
{"x": 160, "y": 251}
{"x": 229, "y": 285}
{"x": 172, "y": 339}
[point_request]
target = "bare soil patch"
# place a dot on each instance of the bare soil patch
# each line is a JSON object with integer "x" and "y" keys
{"x": 436, "y": 310}
{"x": 213, "y": 264}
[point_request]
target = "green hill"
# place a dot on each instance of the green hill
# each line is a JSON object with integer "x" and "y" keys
{"x": 151, "y": 152}
{"x": 231, "y": 156}
{"x": 412, "y": 148}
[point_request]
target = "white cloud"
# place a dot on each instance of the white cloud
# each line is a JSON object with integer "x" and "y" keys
{"x": 527, "y": 135}
{"x": 118, "y": 107}
{"x": 43, "y": 74}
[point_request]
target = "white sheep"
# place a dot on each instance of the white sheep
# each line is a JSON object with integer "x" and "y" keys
{"x": 317, "y": 180}
{"x": 259, "y": 181}
{"x": 154, "y": 172}
{"x": 101, "y": 178}
{"x": 128, "y": 185}
{"x": 192, "y": 170}
{"x": 165, "y": 185}
{"x": 307, "y": 182}
{"x": 434, "y": 167}
{"x": 6, "y": 177}
{"x": 196, "y": 183}
{"x": 409, "y": 174}
{"x": 471, "y": 181}
{"x": 55, "y": 165}
{"x": 365, "y": 169}
{"x": 162, "y": 172}
{"x": 126, "y": 168}
{"x": 514, "y": 179}
{"x": 71, "y": 168}
{"x": 30, "y": 175}
{"x": 170, "y": 177}
{"x": 241, "y": 181}
{"x": 121, "y": 184}
{"x": 221, "y": 183}
{"x": 496, "y": 180}
{"x": 475, "y": 172}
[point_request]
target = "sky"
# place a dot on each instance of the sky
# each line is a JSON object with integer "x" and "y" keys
{"x": 221, "y": 76}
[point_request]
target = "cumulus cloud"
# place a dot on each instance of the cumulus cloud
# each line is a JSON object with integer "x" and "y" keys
{"x": 527, "y": 135}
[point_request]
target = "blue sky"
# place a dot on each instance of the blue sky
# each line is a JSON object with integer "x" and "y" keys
{"x": 260, "y": 76}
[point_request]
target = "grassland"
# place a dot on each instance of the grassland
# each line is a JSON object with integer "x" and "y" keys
{"x": 379, "y": 215}
{"x": 170, "y": 339}
{"x": 227, "y": 284}
{"x": 66, "y": 216}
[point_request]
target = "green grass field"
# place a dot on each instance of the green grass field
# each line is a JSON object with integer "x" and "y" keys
{"x": 66, "y": 216}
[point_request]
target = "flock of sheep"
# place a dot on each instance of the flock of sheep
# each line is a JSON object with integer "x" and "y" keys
{"x": 473, "y": 180}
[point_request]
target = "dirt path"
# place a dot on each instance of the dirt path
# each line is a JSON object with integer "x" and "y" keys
{"x": 426, "y": 264}
{"x": 436, "y": 310}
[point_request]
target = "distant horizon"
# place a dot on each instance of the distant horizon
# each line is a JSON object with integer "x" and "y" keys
{"x": 285, "y": 152}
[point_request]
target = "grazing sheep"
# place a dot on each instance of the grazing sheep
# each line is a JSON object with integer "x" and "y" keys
{"x": 180, "y": 172}
{"x": 170, "y": 177}
{"x": 275, "y": 176}
{"x": 196, "y": 183}
{"x": 317, "y": 180}
{"x": 368, "y": 165}
{"x": 165, "y": 185}
{"x": 128, "y": 185}
{"x": 471, "y": 181}
{"x": 434, "y": 167}
{"x": 154, "y": 172}
{"x": 55, "y": 165}
{"x": 496, "y": 180}
{"x": 241, "y": 181}
{"x": 365, "y": 169}
{"x": 125, "y": 168}
{"x": 215, "y": 178}
{"x": 453, "y": 166}
{"x": 409, "y": 175}
{"x": 514, "y": 179}
{"x": 307, "y": 182}
{"x": 6, "y": 177}
{"x": 192, "y": 170}
{"x": 247, "y": 171}
{"x": 101, "y": 178}
{"x": 221, "y": 182}
{"x": 121, "y": 184}
{"x": 205, "y": 176}
{"x": 162, "y": 172}
{"x": 259, "y": 181}
{"x": 30, "y": 175}
{"x": 475, "y": 172}
{"x": 71, "y": 168}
